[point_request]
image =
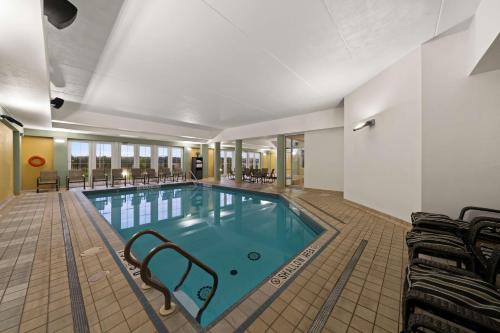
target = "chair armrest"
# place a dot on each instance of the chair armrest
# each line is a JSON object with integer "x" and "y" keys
{"x": 443, "y": 267}
{"x": 481, "y": 209}
{"x": 442, "y": 251}
{"x": 479, "y": 223}
{"x": 451, "y": 311}
{"x": 434, "y": 324}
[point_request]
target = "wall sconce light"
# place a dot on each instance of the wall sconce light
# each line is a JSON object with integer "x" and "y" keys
{"x": 368, "y": 123}
{"x": 59, "y": 140}
{"x": 188, "y": 148}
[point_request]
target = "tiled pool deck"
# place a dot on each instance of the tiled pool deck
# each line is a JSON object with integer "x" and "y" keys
{"x": 35, "y": 290}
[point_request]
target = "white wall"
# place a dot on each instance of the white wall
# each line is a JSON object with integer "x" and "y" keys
{"x": 324, "y": 159}
{"x": 461, "y": 128}
{"x": 484, "y": 29}
{"x": 382, "y": 164}
{"x": 297, "y": 124}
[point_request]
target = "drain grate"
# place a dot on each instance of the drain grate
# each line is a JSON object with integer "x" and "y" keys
{"x": 203, "y": 293}
{"x": 233, "y": 272}
{"x": 254, "y": 256}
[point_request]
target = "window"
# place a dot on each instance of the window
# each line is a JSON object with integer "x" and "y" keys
{"x": 127, "y": 157}
{"x": 103, "y": 156}
{"x": 257, "y": 160}
{"x": 80, "y": 156}
{"x": 228, "y": 162}
{"x": 144, "y": 157}
{"x": 244, "y": 159}
{"x": 163, "y": 157}
{"x": 177, "y": 158}
{"x": 250, "y": 160}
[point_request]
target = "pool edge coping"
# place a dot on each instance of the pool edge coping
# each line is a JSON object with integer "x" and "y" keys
{"x": 328, "y": 234}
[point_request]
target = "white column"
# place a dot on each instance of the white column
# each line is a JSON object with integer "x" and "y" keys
{"x": 116, "y": 155}
{"x": 136, "y": 156}
{"x": 91, "y": 156}
{"x": 154, "y": 157}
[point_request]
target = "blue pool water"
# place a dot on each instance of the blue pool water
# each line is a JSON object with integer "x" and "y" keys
{"x": 220, "y": 227}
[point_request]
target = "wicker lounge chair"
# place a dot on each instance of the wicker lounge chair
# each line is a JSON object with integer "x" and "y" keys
{"x": 470, "y": 250}
{"x": 47, "y": 178}
{"x": 151, "y": 174}
{"x": 117, "y": 175}
{"x": 137, "y": 173}
{"x": 457, "y": 226}
{"x": 450, "y": 293}
{"x": 272, "y": 176}
{"x": 99, "y": 175}
{"x": 420, "y": 323}
{"x": 230, "y": 174}
{"x": 75, "y": 176}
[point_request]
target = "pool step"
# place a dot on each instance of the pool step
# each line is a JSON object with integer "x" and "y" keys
{"x": 187, "y": 302}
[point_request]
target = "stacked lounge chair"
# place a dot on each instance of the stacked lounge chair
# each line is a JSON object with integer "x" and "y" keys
{"x": 458, "y": 297}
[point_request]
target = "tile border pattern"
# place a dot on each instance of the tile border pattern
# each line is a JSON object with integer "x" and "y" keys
{"x": 153, "y": 316}
{"x": 80, "y": 322}
{"x": 324, "y": 313}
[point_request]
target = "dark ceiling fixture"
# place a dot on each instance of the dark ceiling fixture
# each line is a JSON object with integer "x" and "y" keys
{"x": 12, "y": 120}
{"x": 57, "y": 102}
{"x": 61, "y": 13}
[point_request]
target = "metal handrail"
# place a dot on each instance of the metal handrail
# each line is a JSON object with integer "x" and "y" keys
{"x": 126, "y": 252}
{"x": 159, "y": 286}
{"x": 196, "y": 179}
{"x": 150, "y": 281}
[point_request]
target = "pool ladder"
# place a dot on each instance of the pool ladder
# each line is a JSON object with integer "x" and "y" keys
{"x": 147, "y": 278}
{"x": 193, "y": 176}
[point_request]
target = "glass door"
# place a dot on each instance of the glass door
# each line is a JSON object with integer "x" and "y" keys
{"x": 294, "y": 160}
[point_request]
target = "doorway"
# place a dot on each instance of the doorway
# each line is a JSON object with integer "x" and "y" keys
{"x": 294, "y": 160}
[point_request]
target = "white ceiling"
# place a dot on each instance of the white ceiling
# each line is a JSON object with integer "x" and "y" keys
{"x": 24, "y": 79}
{"x": 205, "y": 65}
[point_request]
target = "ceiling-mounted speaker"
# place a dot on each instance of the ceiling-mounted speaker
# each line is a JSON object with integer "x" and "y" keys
{"x": 61, "y": 13}
{"x": 57, "y": 102}
{"x": 12, "y": 120}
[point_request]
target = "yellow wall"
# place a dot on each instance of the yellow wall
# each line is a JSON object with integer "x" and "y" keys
{"x": 192, "y": 153}
{"x": 269, "y": 161}
{"x": 43, "y": 147}
{"x": 6, "y": 163}
{"x": 210, "y": 162}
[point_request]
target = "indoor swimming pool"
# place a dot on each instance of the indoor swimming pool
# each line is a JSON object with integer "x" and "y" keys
{"x": 243, "y": 236}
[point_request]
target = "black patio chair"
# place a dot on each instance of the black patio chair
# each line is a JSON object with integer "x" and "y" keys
{"x": 469, "y": 250}
{"x": 455, "y": 295}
